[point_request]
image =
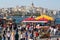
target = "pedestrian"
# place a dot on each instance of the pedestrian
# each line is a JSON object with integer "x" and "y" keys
{"x": 26, "y": 35}
{"x": 22, "y": 36}
{"x": 36, "y": 34}
{"x": 12, "y": 36}
{"x": 57, "y": 39}
{"x": 8, "y": 35}
{"x": 0, "y": 37}
{"x": 55, "y": 31}
{"x": 3, "y": 37}
{"x": 30, "y": 35}
{"x": 16, "y": 35}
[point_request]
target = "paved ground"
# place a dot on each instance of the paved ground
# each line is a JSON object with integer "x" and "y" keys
{"x": 52, "y": 38}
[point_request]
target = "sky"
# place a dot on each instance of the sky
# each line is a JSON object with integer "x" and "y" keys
{"x": 50, "y": 4}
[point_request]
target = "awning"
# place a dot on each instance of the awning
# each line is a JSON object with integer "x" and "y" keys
{"x": 29, "y": 19}
{"x": 36, "y": 21}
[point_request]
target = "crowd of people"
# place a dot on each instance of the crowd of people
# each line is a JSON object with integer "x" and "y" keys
{"x": 27, "y": 32}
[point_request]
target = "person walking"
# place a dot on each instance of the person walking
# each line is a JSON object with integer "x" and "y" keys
{"x": 12, "y": 36}
{"x": 0, "y": 37}
{"x": 22, "y": 36}
{"x": 8, "y": 35}
{"x": 26, "y": 35}
{"x": 55, "y": 30}
{"x": 16, "y": 35}
{"x": 3, "y": 37}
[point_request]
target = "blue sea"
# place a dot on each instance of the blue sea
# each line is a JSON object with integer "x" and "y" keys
{"x": 18, "y": 19}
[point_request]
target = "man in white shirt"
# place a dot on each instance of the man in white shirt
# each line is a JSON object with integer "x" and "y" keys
{"x": 8, "y": 35}
{"x": 55, "y": 31}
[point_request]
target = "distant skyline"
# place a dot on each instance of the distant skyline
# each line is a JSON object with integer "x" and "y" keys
{"x": 50, "y": 4}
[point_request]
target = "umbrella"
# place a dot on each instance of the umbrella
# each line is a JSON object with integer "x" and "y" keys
{"x": 45, "y": 16}
{"x": 43, "y": 19}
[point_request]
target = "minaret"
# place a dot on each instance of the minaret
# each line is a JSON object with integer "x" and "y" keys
{"x": 32, "y": 4}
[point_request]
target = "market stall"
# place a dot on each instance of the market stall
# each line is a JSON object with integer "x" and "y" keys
{"x": 44, "y": 19}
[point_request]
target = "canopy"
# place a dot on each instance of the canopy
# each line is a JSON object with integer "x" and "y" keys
{"x": 43, "y": 19}
{"x": 31, "y": 19}
{"x": 45, "y": 16}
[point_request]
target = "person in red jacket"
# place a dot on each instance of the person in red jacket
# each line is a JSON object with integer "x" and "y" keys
{"x": 37, "y": 34}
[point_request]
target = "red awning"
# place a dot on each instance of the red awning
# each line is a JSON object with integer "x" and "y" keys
{"x": 29, "y": 19}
